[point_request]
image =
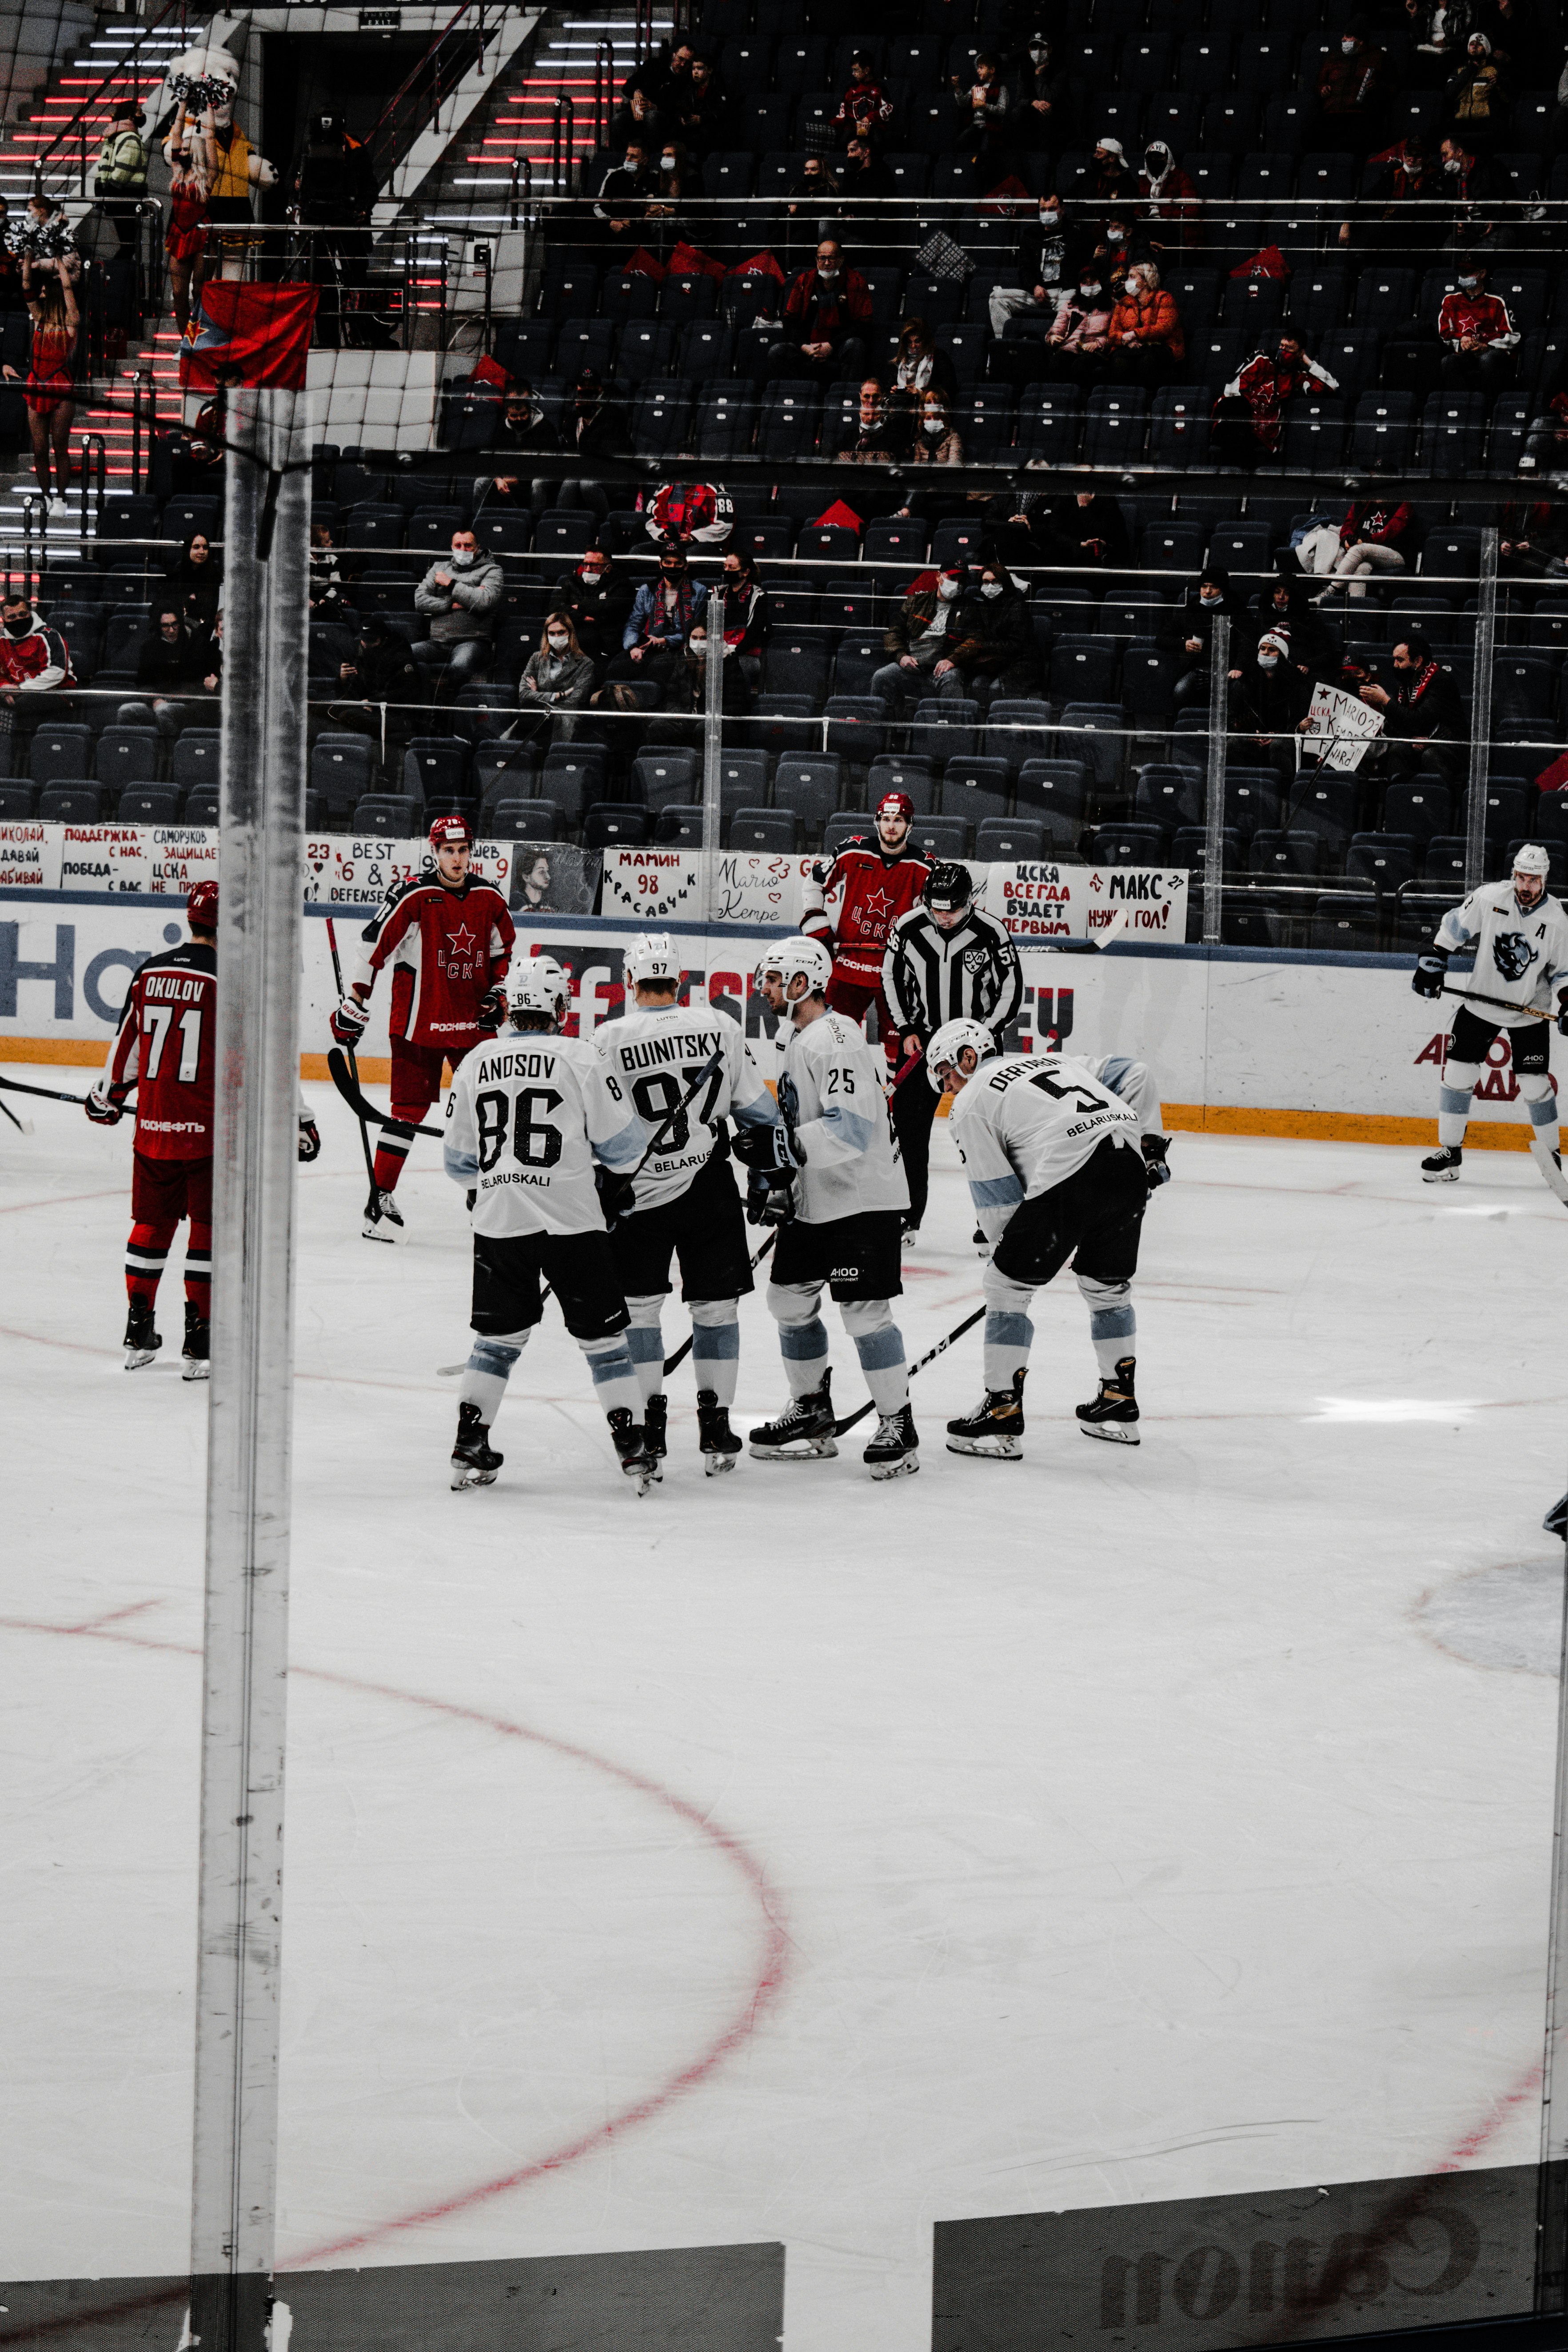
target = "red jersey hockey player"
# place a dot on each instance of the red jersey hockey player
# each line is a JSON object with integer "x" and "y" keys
{"x": 165, "y": 1048}
{"x": 447, "y": 937}
{"x": 881, "y": 878}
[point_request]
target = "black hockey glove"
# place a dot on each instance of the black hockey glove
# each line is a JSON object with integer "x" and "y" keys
{"x": 765, "y": 1150}
{"x": 310, "y": 1139}
{"x": 616, "y": 1194}
{"x": 1155, "y": 1147}
{"x": 491, "y": 1013}
{"x": 1430, "y": 973}
{"x": 1562, "y": 1016}
{"x": 769, "y": 1198}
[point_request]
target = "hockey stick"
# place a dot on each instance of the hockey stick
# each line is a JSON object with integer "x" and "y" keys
{"x": 681, "y": 1353}
{"x": 22, "y": 1125}
{"x": 1501, "y": 1003}
{"x": 14, "y": 1087}
{"x": 363, "y": 1107}
{"x": 353, "y": 1067}
{"x": 839, "y": 1427}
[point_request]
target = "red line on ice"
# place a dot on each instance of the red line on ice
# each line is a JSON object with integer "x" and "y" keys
{"x": 762, "y": 1991}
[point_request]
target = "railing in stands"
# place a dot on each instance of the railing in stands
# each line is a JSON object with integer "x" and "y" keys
{"x": 604, "y": 89}
{"x": 562, "y": 142}
{"x": 93, "y": 479}
{"x": 415, "y": 103}
{"x": 642, "y": 33}
{"x": 76, "y": 124}
{"x": 35, "y": 524}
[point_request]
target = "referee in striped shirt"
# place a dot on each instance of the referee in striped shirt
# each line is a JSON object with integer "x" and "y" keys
{"x": 944, "y": 961}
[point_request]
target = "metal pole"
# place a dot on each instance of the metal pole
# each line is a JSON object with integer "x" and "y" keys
{"x": 1551, "y": 2241}
{"x": 1481, "y": 715}
{"x": 713, "y": 749}
{"x": 250, "y": 1413}
{"x": 1214, "y": 809}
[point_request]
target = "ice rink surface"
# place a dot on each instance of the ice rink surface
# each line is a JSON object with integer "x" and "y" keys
{"x": 790, "y": 1856}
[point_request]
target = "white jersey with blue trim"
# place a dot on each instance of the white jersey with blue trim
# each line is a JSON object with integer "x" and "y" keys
{"x": 831, "y": 1098}
{"x": 1134, "y": 1082}
{"x": 1519, "y": 953}
{"x": 1025, "y": 1122}
{"x": 657, "y": 1052}
{"x": 528, "y": 1116}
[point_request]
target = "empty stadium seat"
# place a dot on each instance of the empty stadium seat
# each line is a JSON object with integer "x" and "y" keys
{"x": 387, "y": 812}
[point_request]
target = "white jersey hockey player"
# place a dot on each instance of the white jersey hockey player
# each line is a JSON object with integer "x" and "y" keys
{"x": 1055, "y": 1172}
{"x": 835, "y": 1176}
{"x": 686, "y": 1204}
{"x": 1518, "y": 937}
{"x": 531, "y": 1116}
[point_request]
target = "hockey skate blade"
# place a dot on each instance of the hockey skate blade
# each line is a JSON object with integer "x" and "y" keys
{"x": 995, "y": 1449}
{"x": 370, "y": 1232}
{"x": 195, "y": 1371}
{"x": 903, "y": 1468}
{"x": 139, "y": 1358}
{"x": 1441, "y": 1176}
{"x": 1111, "y": 1432}
{"x": 815, "y": 1449}
{"x": 714, "y": 1466}
{"x": 464, "y": 1474}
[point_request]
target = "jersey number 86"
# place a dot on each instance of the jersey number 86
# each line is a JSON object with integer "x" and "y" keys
{"x": 535, "y": 1140}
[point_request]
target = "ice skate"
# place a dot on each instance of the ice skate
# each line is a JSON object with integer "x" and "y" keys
{"x": 1556, "y": 1520}
{"x": 802, "y": 1431}
{"x": 141, "y": 1341}
{"x": 1114, "y": 1414}
{"x": 382, "y": 1219}
{"x": 1443, "y": 1166}
{"x": 995, "y": 1426}
{"x": 718, "y": 1441}
{"x": 655, "y": 1424}
{"x": 474, "y": 1459}
{"x": 194, "y": 1356}
{"x": 631, "y": 1446}
{"x": 895, "y": 1451}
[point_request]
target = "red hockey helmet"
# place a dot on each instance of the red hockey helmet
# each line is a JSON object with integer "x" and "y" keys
{"x": 448, "y": 831}
{"x": 896, "y": 804}
{"x": 201, "y": 907}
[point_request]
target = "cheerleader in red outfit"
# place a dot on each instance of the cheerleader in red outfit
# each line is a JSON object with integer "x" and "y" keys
{"x": 185, "y": 239}
{"x": 49, "y": 390}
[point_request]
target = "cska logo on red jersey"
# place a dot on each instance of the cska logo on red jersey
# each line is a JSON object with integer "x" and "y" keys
{"x": 460, "y": 946}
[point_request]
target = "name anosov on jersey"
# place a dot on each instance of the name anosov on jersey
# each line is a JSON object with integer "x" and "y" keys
{"x": 657, "y": 1054}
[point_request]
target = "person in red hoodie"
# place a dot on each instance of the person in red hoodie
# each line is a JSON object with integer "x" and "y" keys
{"x": 826, "y": 315}
{"x": 1479, "y": 337}
{"x": 1248, "y": 416}
{"x": 34, "y": 658}
{"x": 1375, "y": 536}
{"x": 865, "y": 108}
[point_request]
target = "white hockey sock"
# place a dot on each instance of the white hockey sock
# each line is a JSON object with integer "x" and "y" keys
{"x": 1541, "y": 1106}
{"x": 1113, "y": 1325}
{"x": 803, "y": 1334}
{"x": 880, "y": 1344}
{"x": 716, "y": 1346}
{"x": 488, "y": 1370}
{"x": 1009, "y": 1333}
{"x": 614, "y": 1377}
{"x": 1454, "y": 1092}
{"x": 645, "y": 1344}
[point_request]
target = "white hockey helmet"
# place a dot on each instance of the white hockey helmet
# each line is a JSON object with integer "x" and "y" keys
{"x": 1529, "y": 858}
{"x": 538, "y": 984}
{"x": 652, "y": 956}
{"x": 798, "y": 954}
{"x": 949, "y": 1042}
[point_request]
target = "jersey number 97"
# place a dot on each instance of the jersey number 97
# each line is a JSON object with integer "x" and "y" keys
{"x": 535, "y": 1140}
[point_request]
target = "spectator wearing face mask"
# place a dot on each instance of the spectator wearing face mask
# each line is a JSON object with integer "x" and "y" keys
{"x": 936, "y": 442}
{"x": 747, "y": 617}
{"x": 1407, "y": 180}
{"x": 1188, "y": 631}
{"x": 1145, "y": 339}
{"x": 1121, "y": 245}
{"x": 1480, "y": 97}
{"x": 813, "y": 208}
{"x": 625, "y": 193}
{"x": 654, "y": 639}
{"x": 598, "y": 603}
{"x": 865, "y": 108}
{"x": 1424, "y": 721}
{"x": 1042, "y": 257}
{"x": 1249, "y": 414}
{"x": 459, "y": 596}
{"x": 884, "y": 428}
{"x": 983, "y": 107}
{"x": 1041, "y": 98}
{"x": 380, "y": 689}
{"x": 826, "y": 315}
{"x": 520, "y": 431}
{"x": 686, "y": 692}
{"x": 1478, "y": 334}
{"x": 1111, "y": 181}
{"x": 1289, "y": 604}
{"x": 921, "y": 364}
{"x": 932, "y": 621}
{"x": 1351, "y": 91}
{"x": 596, "y": 427}
{"x": 556, "y": 680}
{"x": 996, "y": 646}
{"x": 863, "y": 182}
{"x": 1464, "y": 177}
{"x": 168, "y": 665}
{"x": 34, "y": 658}
{"x": 664, "y": 221}
{"x": 1079, "y": 334}
{"x": 1269, "y": 700}
{"x": 1169, "y": 199}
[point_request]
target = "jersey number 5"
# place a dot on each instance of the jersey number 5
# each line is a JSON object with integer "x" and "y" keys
{"x": 535, "y": 1140}
{"x": 1081, "y": 1099}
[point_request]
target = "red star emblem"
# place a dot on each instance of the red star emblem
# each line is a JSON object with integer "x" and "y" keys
{"x": 462, "y": 943}
{"x": 876, "y": 902}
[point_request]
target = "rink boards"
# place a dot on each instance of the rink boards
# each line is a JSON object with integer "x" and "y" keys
{"x": 1290, "y": 1043}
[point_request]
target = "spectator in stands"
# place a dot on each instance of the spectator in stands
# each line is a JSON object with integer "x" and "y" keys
{"x": 1121, "y": 243}
{"x": 1146, "y": 344}
{"x": 863, "y": 182}
{"x": 120, "y": 181}
{"x": 813, "y": 208}
{"x": 674, "y": 91}
{"x": 598, "y": 603}
{"x": 1546, "y": 444}
{"x": 1478, "y": 97}
{"x": 598, "y": 426}
{"x": 1170, "y": 200}
{"x": 995, "y": 647}
{"x": 1465, "y": 178}
{"x": 826, "y": 313}
{"x": 1423, "y": 716}
{"x": 885, "y": 428}
{"x": 211, "y": 663}
{"x": 519, "y": 430}
{"x": 1479, "y": 337}
{"x": 865, "y": 108}
{"x": 921, "y": 364}
{"x": 459, "y": 596}
{"x": 1438, "y": 29}
{"x": 1375, "y": 536}
{"x": 1350, "y": 92}
{"x": 1041, "y": 96}
{"x": 1406, "y": 181}
{"x": 984, "y": 106}
{"x": 637, "y": 122}
{"x": 932, "y": 621}
{"x": 703, "y": 124}
{"x": 653, "y": 640}
{"x": 624, "y": 194}
{"x": 1093, "y": 531}
{"x": 1268, "y": 700}
{"x": 1188, "y": 631}
{"x": 1289, "y": 605}
{"x": 380, "y": 687}
{"x": 746, "y": 616}
{"x": 34, "y": 658}
{"x": 686, "y": 692}
{"x": 170, "y": 662}
{"x": 936, "y": 442}
{"x": 1041, "y": 258}
{"x": 330, "y": 585}
{"x": 196, "y": 580}
{"x": 556, "y": 680}
{"x": 1079, "y": 334}
{"x": 1249, "y": 414}
{"x": 1112, "y": 182}
{"x": 1533, "y": 540}
{"x": 662, "y": 214}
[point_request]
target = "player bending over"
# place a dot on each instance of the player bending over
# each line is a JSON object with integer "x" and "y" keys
{"x": 1519, "y": 936}
{"x": 685, "y": 1202}
{"x": 879, "y": 877}
{"x": 836, "y": 1189}
{"x": 449, "y": 937}
{"x": 530, "y": 1114}
{"x": 1056, "y": 1173}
